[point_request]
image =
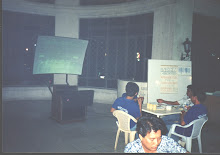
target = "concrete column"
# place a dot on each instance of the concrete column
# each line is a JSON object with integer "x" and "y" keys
{"x": 172, "y": 25}
{"x": 66, "y": 25}
{"x": 164, "y": 23}
{"x": 183, "y": 27}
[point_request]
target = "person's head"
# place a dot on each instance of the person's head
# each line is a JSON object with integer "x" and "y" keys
{"x": 131, "y": 89}
{"x": 150, "y": 129}
{"x": 189, "y": 91}
{"x": 198, "y": 96}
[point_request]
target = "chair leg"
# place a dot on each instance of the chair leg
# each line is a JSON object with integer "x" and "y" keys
{"x": 169, "y": 134}
{"x": 199, "y": 143}
{"x": 126, "y": 138}
{"x": 132, "y": 136}
{"x": 188, "y": 144}
{"x": 116, "y": 139}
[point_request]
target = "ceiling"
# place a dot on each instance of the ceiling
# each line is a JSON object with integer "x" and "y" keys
{"x": 86, "y": 2}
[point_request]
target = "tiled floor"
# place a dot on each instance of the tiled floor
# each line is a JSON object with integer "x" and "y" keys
{"x": 27, "y": 127}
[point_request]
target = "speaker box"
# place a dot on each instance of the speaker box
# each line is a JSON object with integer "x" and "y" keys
{"x": 56, "y": 100}
{"x": 70, "y": 105}
{"x": 86, "y": 97}
{"x": 57, "y": 88}
{"x": 67, "y": 107}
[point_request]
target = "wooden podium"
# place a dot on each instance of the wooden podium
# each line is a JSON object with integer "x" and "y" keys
{"x": 69, "y": 104}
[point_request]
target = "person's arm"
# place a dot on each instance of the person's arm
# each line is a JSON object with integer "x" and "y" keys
{"x": 168, "y": 102}
{"x": 188, "y": 107}
{"x": 182, "y": 122}
{"x": 112, "y": 109}
{"x": 140, "y": 100}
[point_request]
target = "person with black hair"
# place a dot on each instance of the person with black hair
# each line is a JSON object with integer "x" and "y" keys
{"x": 127, "y": 103}
{"x": 125, "y": 95}
{"x": 185, "y": 101}
{"x": 152, "y": 139}
{"x": 197, "y": 111}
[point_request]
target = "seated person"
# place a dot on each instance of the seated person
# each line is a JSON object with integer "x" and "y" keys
{"x": 125, "y": 95}
{"x": 197, "y": 111}
{"x": 128, "y": 105}
{"x": 152, "y": 139}
{"x": 185, "y": 101}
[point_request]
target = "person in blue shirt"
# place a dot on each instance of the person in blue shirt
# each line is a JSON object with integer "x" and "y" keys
{"x": 125, "y": 95}
{"x": 195, "y": 112}
{"x": 152, "y": 139}
{"x": 127, "y": 103}
{"x": 185, "y": 102}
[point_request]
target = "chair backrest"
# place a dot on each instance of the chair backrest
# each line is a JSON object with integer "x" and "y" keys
{"x": 197, "y": 126}
{"x": 123, "y": 119}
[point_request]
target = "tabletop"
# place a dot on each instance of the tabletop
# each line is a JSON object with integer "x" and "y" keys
{"x": 163, "y": 111}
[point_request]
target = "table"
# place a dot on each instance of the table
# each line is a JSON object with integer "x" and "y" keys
{"x": 161, "y": 112}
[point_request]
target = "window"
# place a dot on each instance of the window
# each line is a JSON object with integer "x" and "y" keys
{"x": 20, "y": 32}
{"x": 118, "y": 48}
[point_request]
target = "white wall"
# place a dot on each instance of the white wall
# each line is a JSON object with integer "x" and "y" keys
{"x": 42, "y": 93}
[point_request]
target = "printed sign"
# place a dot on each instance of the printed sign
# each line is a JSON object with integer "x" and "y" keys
{"x": 169, "y": 79}
{"x": 184, "y": 70}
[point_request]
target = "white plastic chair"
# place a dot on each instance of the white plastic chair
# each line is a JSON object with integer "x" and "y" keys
{"x": 196, "y": 132}
{"x": 123, "y": 124}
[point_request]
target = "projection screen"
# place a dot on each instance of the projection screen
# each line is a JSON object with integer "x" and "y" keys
{"x": 54, "y": 55}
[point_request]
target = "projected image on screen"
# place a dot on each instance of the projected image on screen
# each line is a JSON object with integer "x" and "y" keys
{"x": 59, "y": 55}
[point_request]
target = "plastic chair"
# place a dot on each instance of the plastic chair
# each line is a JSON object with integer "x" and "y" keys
{"x": 123, "y": 124}
{"x": 196, "y": 132}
